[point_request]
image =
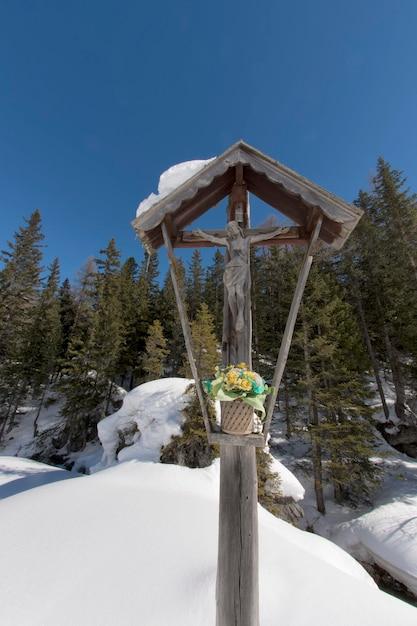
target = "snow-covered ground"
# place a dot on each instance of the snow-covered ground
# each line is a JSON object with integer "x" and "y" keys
{"x": 137, "y": 544}
{"x": 17, "y": 475}
{"x": 384, "y": 532}
{"x": 150, "y": 415}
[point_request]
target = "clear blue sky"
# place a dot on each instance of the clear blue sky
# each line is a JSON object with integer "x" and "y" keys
{"x": 97, "y": 97}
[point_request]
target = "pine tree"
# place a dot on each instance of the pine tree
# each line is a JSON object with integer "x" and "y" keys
{"x": 195, "y": 286}
{"x": 214, "y": 291}
{"x": 19, "y": 288}
{"x": 78, "y": 383}
{"x": 107, "y": 324}
{"x": 155, "y": 352}
{"x": 44, "y": 341}
{"x": 168, "y": 313}
{"x": 134, "y": 308}
{"x": 67, "y": 312}
{"x": 204, "y": 344}
{"x": 335, "y": 385}
{"x": 148, "y": 276}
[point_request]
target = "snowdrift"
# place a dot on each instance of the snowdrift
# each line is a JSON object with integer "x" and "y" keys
{"x": 137, "y": 543}
{"x": 387, "y": 536}
{"x": 149, "y": 417}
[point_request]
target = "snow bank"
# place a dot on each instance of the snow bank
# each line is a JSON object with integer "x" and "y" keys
{"x": 137, "y": 544}
{"x": 170, "y": 180}
{"x": 290, "y": 485}
{"x": 18, "y": 475}
{"x": 150, "y": 416}
{"x": 388, "y": 536}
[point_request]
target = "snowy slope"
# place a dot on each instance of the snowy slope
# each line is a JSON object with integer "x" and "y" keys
{"x": 18, "y": 475}
{"x": 136, "y": 544}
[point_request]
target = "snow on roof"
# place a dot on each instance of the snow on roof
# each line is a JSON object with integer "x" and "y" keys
{"x": 169, "y": 180}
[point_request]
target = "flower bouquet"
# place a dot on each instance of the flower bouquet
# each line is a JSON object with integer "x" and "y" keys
{"x": 241, "y": 392}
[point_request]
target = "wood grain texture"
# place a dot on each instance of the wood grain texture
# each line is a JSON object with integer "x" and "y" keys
{"x": 237, "y": 572}
{"x": 225, "y": 439}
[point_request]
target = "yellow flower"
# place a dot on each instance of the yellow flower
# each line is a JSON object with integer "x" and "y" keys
{"x": 232, "y": 377}
{"x": 245, "y": 385}
{"x": 242, "y": 366}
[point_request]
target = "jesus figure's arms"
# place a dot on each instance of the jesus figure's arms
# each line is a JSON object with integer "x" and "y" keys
{"x": 220, "y": 241}
{"x": 264, "y": 236}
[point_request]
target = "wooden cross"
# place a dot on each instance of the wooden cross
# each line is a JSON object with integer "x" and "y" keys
{"x": 237, "y": 590}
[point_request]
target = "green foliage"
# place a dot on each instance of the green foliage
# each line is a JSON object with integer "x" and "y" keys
{"x": 350, "y": 445}
{"x": 155, "y": 352}
{"x": 195, "y": 281}
{"x": 20, "y": 282}
{"x": 191, "y": 448}
{"x": 269, "y": 494}
{"x": 204, "y": 343}
{"x": 214, "y": 291}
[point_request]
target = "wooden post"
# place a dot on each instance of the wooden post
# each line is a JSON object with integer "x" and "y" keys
{"x": 185, "y": 328}
{"x": 237, "y": 591}
{"x": 289, "y": 327}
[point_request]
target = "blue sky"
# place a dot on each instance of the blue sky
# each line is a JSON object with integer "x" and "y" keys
{"x": 98, "y": 97}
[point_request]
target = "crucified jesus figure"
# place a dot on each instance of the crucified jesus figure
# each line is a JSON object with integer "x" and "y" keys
{"x": 237, "y": 273}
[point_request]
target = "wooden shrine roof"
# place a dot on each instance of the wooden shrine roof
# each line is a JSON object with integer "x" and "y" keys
{"x": 294, "y": 196}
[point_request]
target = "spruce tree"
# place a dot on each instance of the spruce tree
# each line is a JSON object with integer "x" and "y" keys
{"x": 78, "y": 383}
{"x": 134, "y": 313}
{"x": 168, "y": 313}
{"x": 204, "y": 344}
{"x": 335, "y": 386}
{"x": 107, "y": 323}
{"x": 67, "y": 312}
{"x": 19, "y": 288}
{"x": 43, "y": 340}
{"x": 195, "y": 284}
{"x": 155, "y": 352}
{"x": 214, "y": 291}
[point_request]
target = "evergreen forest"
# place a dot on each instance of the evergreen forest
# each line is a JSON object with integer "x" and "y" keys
{"x": 117, "y": 326}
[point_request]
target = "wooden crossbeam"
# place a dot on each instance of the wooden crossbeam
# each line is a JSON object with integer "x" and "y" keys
{"x": 185, "y": 327}
{"x": 289, "y": 327}
{"x": 291, "y": 235}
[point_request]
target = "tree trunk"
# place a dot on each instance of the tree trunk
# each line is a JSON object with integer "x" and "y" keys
{"x": 35, "y": 421}
{"x": 371, "y": 353}
{"x": 106, "y": 411}
{"x": 287, "y": 407}
{"x": 314, "y": 419}
{"x": 396, "y": 375}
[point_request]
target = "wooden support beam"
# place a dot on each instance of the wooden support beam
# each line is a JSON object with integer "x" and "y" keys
{"x": 225, "y": 439}
{"x": 289, "y": 327}
{"x": 185, "y": 327}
